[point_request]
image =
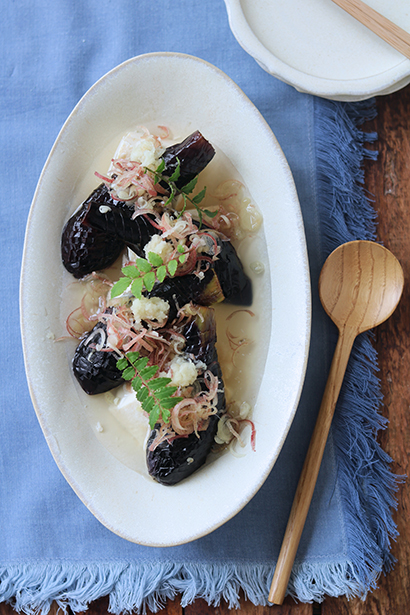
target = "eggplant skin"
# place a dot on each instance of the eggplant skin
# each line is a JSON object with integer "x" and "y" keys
{"x": 93, "y": 239}
{"x": 179, "y": 291}
{"x": 235, "y": 284}
{"x": 96, "y": 370}
{"x": 171, "y": 462}
{"x": 84, "y": 248}
{"x": 193, "y": 155}
{"x": 116, "y": 222}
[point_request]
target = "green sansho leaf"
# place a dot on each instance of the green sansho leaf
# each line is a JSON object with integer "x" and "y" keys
{"x": 148, "y": 372}
{"x": 149, "y": 280}
{"x": 199, "y": 197}
{"x": 140, "y": 364}
{"x": 171, "y": 196}
{"x": 175, "y": 175}
{"x": 136, "y": 288}
{"x": 128, "y": 373}
{"x": 131, "y": 271}
{"x": 122, "y": 363}
{"x": 158, "y": 383}
{"x": 146, "y": 273}
{"x": 184, "y": 191}
{"x": 142, "y": 394}
{"x": 120, "y": 287}
{"x": 170, "y": 403}
{"x": 166, "y": 392}
{"x": 161, "y": 273}
{"x": 160, "y": 167}
{"x": 189, "y": 187}
{"x": 172, "y": 267}
{"x": 143, "y": 265}
{"x": 154, "y": 415}
{"x": 148, "y": 404}
{"x": 136, "y": 383}
{"x": 166, "y": 415}
{"x": 210, "y": 214}
{"x": 155, "y": 259}
{"x": 154, "y": 393}
{"x": 133, "y": 356}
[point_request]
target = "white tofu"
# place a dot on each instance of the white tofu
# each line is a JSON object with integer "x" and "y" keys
{"x": 129, "y": 413}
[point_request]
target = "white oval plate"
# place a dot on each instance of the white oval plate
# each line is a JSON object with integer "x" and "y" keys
{"x": 183, "y": 91}
{"x": 320, "y": 49}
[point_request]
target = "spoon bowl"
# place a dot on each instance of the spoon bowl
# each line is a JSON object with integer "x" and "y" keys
{"x": 360, "y": 286}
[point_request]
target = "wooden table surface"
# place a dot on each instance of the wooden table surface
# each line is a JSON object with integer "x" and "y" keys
{"x": 388, "y": 180}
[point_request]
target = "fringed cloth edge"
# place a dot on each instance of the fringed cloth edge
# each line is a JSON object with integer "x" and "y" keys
{"x": 366, "y": 482}
{"x": 32, "y": 588}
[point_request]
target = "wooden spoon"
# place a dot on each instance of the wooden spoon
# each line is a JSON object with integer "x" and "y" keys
{"x": 380, "y": 25}
{"x": 360, "y": 286}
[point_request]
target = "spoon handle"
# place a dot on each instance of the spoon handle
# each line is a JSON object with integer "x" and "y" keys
{"x": 310, "y": 471}
{"x": 380, "y": 25}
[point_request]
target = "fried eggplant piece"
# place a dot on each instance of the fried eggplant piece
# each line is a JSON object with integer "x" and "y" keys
{"x": 189, "y": 288}
{"x": 88, "y": 247}
{"x": 96, "y": 369}
{"x": 234, "y": 283}
{"x": 85, "y": 248}
{"x": 171, "y": 462}
{"x": 95, "y": 235}
{"x": 193, "y": 155}
{"x": 115, "y": 221}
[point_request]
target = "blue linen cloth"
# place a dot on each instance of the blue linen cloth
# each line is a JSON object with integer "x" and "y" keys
{"x": 51, "y": 547}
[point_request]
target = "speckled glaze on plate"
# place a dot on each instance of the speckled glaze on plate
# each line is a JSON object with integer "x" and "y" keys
{"x": 320, "y": 49}
{"x": 177, "y": 90}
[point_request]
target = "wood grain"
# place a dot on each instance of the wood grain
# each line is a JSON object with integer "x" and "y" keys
{"x": 389, "y": 179}
{"x": 289, "y": 607}
{"x": 360, "y": 286}
{"x": 377, "y": 23}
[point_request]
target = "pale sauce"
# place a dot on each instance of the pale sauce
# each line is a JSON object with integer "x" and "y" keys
{"x": 242, "y": 379}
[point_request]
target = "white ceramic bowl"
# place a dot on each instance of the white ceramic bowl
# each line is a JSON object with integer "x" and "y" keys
{"x": 320, "y": 49}
{"x": 187, "y": 93}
